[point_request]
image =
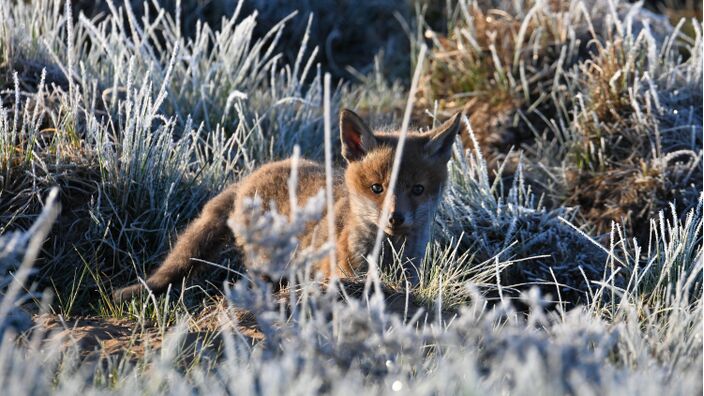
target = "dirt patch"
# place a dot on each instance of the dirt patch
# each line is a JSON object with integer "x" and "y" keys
{"x": 98, "y": 338}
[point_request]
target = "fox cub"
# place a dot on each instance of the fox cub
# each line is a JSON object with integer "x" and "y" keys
{"x": 358, "y": 196}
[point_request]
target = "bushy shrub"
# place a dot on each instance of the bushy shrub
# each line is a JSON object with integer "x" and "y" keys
{"x": 603, "y": 96}
{"x": 140, "y": 136}
{"x": 537, "y": 246}
{"x": 634, "y": 144}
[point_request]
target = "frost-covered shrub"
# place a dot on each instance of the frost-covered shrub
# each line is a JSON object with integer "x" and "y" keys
{"x": 634, "y": 141}
{"x": 603, "y": 96}
{"x": 502, "y": 62}
{"x": 140, "y": 133}
{"x": 537, "y": 246}
{"x": 18, "y": 251}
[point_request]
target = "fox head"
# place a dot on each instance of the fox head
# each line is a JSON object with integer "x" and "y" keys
{"x": 422, "y": 173}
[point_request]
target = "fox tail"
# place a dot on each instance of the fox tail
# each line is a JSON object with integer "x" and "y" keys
{"x": 202, "y": 239}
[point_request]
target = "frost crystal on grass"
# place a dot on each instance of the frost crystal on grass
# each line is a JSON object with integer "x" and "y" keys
{"x": 270, "y": 239}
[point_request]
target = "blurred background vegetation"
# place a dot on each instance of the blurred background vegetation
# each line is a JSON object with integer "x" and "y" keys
{"x": 349, "y": 33}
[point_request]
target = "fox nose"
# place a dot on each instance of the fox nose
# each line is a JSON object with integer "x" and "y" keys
{"x": 396, "y": 219}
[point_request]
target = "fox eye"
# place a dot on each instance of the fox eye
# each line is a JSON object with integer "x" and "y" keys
{"x": 417, "y": 189}
{"x": 377, "y": 189}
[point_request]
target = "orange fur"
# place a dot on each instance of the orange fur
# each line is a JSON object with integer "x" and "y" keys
{"x": 357, "y": 207}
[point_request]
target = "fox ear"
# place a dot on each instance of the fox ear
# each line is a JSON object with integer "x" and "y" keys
{"x": 357, "y": 139}
{"x": 441, "y": 138}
